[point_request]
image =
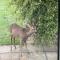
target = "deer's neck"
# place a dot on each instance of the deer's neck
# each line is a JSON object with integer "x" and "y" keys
{"x": 29, "y": 34}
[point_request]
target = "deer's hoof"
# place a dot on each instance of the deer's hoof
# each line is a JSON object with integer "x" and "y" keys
{"x": 21, "y": 55}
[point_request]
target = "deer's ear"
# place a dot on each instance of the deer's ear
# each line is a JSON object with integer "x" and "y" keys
{"x": 27, "y": 26}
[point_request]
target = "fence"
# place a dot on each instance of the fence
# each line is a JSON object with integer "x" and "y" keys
{"x": 32, "y": 52}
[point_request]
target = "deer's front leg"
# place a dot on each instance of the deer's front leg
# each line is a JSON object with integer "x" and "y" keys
{"x": 25, "y": 42}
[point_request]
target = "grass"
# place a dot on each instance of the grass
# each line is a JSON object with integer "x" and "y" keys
{"x": 5, "y": 23}
{"x": 7, "y": 41}
{"x": 4, "y": 32}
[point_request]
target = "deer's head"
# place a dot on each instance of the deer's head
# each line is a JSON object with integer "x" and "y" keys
{"x": 31, "y": 28}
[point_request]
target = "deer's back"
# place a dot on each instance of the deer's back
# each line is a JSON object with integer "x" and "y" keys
{"x": 16, "y": 30}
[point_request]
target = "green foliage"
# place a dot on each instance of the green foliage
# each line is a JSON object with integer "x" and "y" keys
{"x": 44, "y": 13}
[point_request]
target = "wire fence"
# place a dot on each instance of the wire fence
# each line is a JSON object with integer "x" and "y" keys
{"x": 29, "y": 52}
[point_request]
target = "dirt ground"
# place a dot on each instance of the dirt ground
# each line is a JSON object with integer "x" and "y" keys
{"x": 29, "y": 53}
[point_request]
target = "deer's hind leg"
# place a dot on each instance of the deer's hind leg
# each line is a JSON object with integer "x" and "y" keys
{"x": 11, "y": 42}
{"x": 14, "y": 43}
{"x": 12, "y": 39}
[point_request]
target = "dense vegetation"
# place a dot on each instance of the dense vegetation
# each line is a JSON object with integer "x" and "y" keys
{"x": 43, "y": 13}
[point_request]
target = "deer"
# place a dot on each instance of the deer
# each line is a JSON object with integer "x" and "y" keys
{"x": 23, "y": 33}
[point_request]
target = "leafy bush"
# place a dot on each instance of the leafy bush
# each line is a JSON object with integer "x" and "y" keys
{"x": 43, "y": 13}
